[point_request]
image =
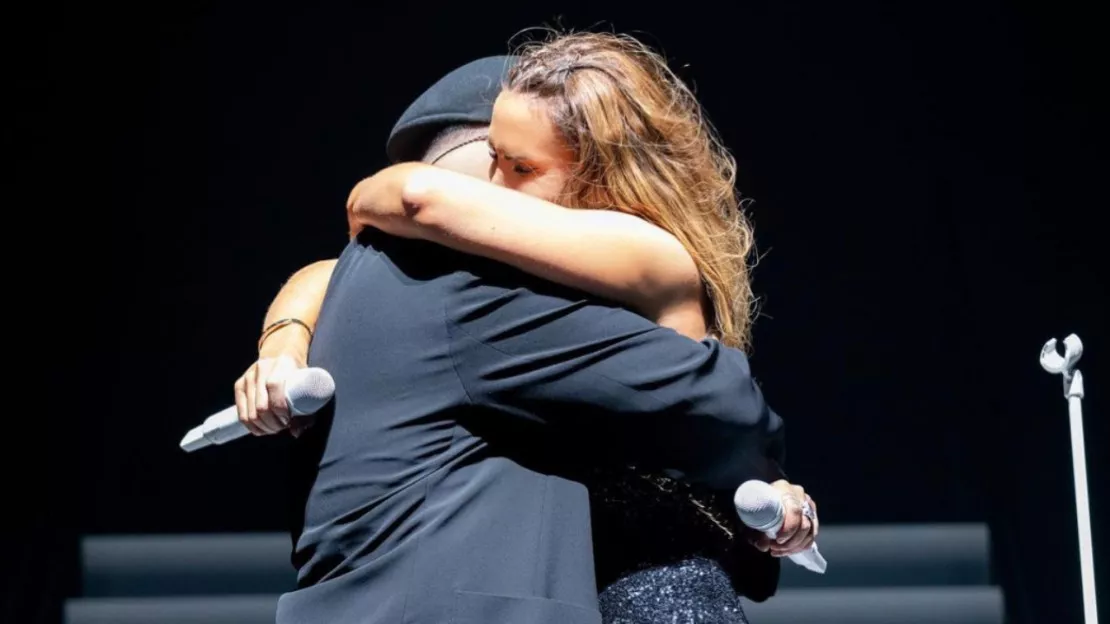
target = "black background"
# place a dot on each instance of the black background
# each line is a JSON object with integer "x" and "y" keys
{"x": 927, "y": 201}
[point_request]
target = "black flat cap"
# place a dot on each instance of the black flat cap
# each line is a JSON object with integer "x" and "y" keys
{"x": 465, "y": 95}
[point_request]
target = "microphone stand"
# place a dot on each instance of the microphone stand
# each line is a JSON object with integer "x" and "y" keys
{"x": 1073, "y": 392}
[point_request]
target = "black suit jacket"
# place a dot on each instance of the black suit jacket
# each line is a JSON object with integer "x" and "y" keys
{"x": 468, "y": 396}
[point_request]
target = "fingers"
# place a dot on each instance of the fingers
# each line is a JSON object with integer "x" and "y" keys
{"x": 243, "y": 406}
{"x": 278, "y": 408}
{"x": 266, "y": 380}
{"x": 261, "y": 398}
{"x": 251, "y": 391}
{"x": 816, "y": 516}
{"x": 792, "y": 512}
{"x": 798, "y": 531}
{"x": 275, "y": 389}
{"x": 792, "y": 522}
{"x": 799, "y": 541}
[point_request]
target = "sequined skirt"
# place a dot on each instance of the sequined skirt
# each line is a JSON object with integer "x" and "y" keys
{"x": 692, "y": 591}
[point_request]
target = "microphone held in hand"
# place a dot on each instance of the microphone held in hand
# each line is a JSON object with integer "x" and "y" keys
{"x": 306, "y": 391}
{"x": 760, "y": 507}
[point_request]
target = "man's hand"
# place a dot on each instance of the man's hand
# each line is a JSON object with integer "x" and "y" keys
{"x": 260, "y": 392}
{"x": 798, "y": 531}
{"x": 260, "y": 395}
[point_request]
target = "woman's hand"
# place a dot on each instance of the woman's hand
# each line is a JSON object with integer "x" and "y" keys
{"x": 379, "y": 201}
{"x": 799, "y": 529}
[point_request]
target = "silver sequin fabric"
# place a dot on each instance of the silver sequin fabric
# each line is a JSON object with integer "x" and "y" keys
{"x": 692, "y": 591}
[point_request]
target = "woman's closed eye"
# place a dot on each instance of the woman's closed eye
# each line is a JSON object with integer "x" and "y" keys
{"x": 518, "y": 167}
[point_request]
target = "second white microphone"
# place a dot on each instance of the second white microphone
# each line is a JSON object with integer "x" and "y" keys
{"x": 760, "y": 507}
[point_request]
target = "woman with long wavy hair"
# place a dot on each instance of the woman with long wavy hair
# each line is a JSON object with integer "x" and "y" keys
{"x": 608, "y": 178}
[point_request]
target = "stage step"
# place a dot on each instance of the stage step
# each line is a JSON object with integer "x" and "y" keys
{"x": 250, "y": 563}
{"x": 881, "y": 605}
{"x": 892, "y": 555}
{"x": 902, "y": 605}
{"x": 173, "y": 610}
{"x": 182, "y": 565}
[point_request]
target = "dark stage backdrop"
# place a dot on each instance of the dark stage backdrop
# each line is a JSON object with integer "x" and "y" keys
{"x": 926, "y": 200}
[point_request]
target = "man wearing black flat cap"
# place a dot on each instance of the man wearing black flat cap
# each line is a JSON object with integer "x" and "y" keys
{"x": 443, "y": 481}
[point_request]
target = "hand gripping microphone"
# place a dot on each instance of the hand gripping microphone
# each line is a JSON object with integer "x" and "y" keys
{"x": 760, "y": 507}
{"x": 306, "y": 391}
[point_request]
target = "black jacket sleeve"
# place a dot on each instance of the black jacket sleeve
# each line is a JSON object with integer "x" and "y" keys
{"x": 662, "y": 400}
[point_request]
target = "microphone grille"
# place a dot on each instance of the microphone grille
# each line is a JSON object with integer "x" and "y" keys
{"x": 758, "y": 504}
{"x": 309, "y": 389}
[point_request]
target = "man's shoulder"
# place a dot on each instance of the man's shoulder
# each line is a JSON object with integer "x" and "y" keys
{"x": 498, "y": 305}
{"x": 488, "y": 299}
{"x": 409, "y": 259}
{"x": 481, "y": 277}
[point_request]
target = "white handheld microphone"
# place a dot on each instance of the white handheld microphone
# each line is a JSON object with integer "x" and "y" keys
{"x": 760, "y": 507}
{"x": 306, "y": 391}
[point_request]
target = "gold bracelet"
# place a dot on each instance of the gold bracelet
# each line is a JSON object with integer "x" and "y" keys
{"x": 276, "y": 325}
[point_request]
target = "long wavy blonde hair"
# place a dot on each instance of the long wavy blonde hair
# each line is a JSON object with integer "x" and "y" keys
{"x": 644, "y": 147}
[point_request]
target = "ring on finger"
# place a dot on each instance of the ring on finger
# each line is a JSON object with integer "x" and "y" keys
{"x": 807, "y": 511}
